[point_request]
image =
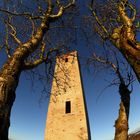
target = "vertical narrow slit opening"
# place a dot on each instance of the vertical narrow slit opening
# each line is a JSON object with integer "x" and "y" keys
{"x": 68, "y": 107}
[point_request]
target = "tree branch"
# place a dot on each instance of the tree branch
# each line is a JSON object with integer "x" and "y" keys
{"x": 134, "y": 12}
{"x": 125, "y": 19}
{"x": 98, "y": 20}
{"x": 31, "y": 65}
{"x": 7, "y": 47}
{"x": 62, "y": 8}
{"x": 115, "y": 68}
{"x": 60, "y": 12}
{"x": 20, "y": 14}
{"x": 13, "y": 33}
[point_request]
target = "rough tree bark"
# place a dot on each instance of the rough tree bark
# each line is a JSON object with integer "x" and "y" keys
{"x": 11, "y": 70}
{"x": 8, "y": 83}
{"x": 124, "y": 38}
{"x": 121, "y": 124}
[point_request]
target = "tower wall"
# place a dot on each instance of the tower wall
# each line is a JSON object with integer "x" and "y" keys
{"x": 66, "y": 118}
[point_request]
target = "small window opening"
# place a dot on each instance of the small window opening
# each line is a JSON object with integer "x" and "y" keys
{"x": 68, "y": 107}
{"x": 66, "y": 59}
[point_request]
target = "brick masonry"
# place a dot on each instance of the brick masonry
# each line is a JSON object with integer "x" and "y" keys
{"x": 67, "y": 87}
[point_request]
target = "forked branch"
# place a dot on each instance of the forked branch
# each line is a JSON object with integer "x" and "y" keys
{"x": 97, "y": 18}
{"x": 35, "y": 63}
{"x": 62, "y": 8}
{"x": 14, "y": 32}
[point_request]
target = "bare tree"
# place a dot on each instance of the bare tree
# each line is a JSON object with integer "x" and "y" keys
{"x": 116, "y": 22}
{"x": 26, "y": 26}
{"x": 123, "y": 82}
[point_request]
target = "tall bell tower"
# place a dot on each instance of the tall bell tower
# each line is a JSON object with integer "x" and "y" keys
{"x": 67, "y": 116}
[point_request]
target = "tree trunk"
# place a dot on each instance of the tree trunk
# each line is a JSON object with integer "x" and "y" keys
{"x": 7, "y": 97}
{"x": 9, "y": 77}
{"x": 124, "y": 38}
{"x": 121, "y": 124}
{"x": 131, "y": 52}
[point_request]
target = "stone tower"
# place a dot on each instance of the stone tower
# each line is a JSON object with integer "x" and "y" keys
{"x": 67, "y": 115}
